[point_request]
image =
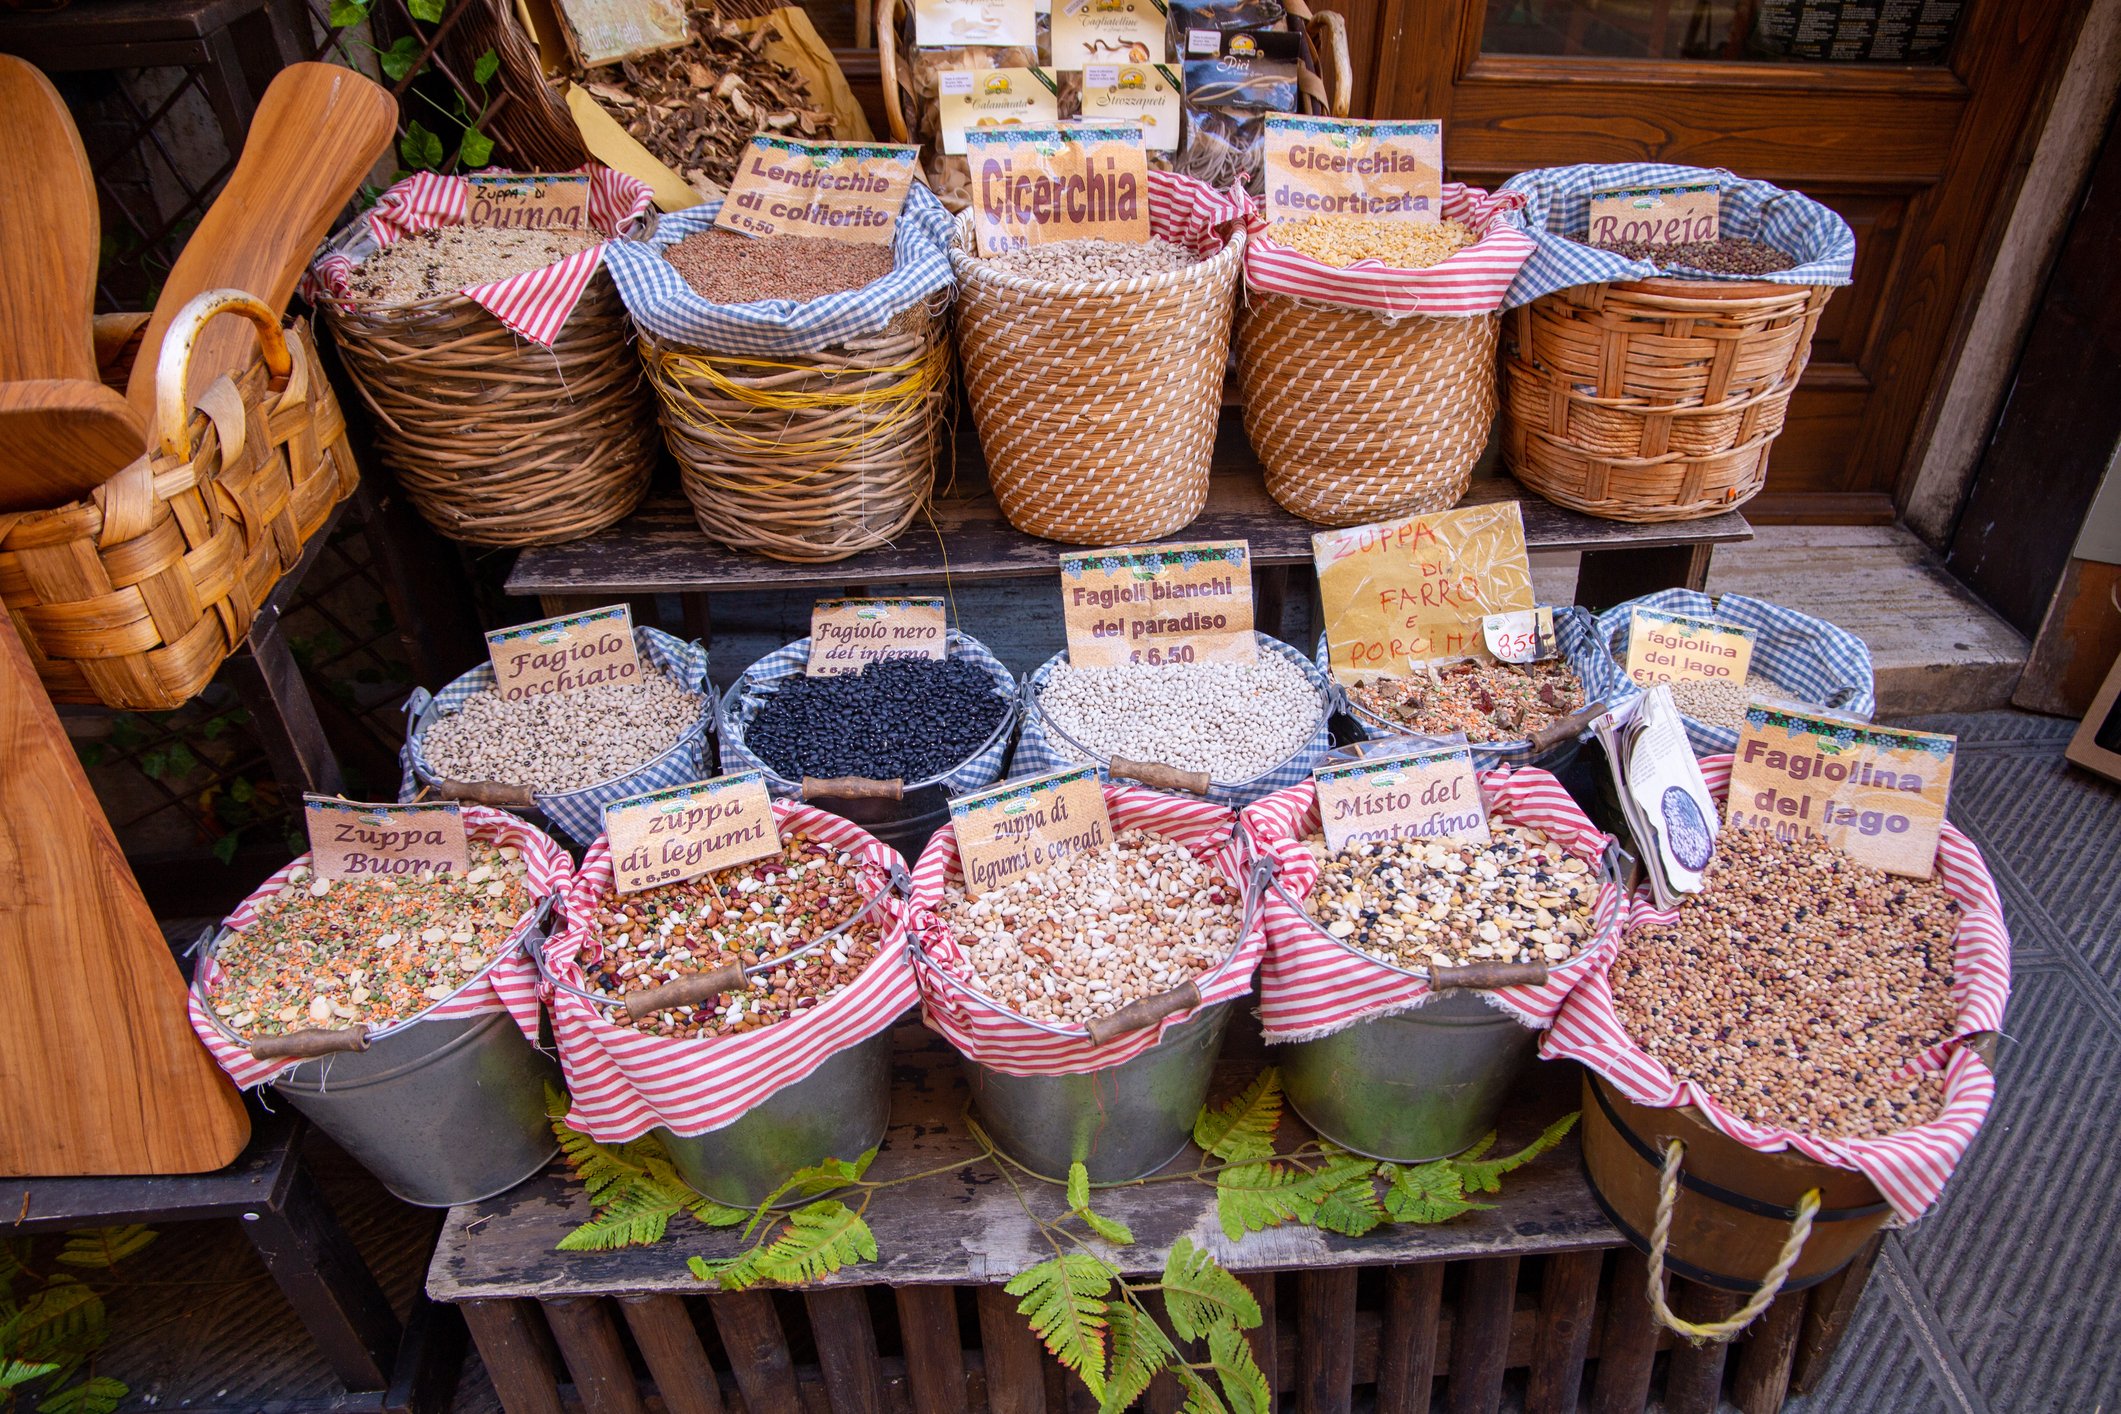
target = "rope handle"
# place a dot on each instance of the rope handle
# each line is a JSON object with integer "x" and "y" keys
{"x": 1660, "y": 1236}
{"x": 173, "y": 370}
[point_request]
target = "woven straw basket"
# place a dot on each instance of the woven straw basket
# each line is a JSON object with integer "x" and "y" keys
{"x": 134, "y": 595}
{"x": 1654, "y": 399}
{"x": 808, "y": 457}
{"x": 497, "y": 440}
{"x": 1097, "y": 402}
{"x": 1358, "y": 418}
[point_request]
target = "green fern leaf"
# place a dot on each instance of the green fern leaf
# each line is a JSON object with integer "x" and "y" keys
{"x": 16, "y": 1373}
{"x": 820, "y": 1238}
{"x": 1201, "y": 1397}
{"x": 738, "y": 1273}
{"x": 1244, "y": 1128}
{"x": 1426, "y": 1193}
{"x": 714, "y": 1214}
{"x": 1065, "y": 1301}
{"x": 1111, "y": 1229}
{"x": 633, "y": 1187}
{"x": 635, "y": 1218}
{"x": 1078, "y": 1187}
{"x": 810, "y": 1182}
{"x": 1347, "y": 1199}
{"x": 1486, "y": 1177}
{"x": 100, "y": 1395}
{"x": 104, "y": 1246}
{"x": 1256, "y": 1196}
{"x": 1200, "y": 1293}
{"x": 62, "y": 1323}
{"x": 1139, "y": 1350}
{"x": 1244, "y": 1384}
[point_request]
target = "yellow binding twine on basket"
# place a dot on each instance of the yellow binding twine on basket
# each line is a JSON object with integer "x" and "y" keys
{"x": 1667, "y": 1200}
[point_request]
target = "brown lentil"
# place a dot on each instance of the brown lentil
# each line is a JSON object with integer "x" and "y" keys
{"x": 1082, "y": 939}
{"x": 1093, "y": 260}
{"x": 727, "y": 268}
{"x": 1797, "y": 987}
{"x": 1343, "y": 240}
{"x": 1446, "y": 903}
{"x": 751, "y": 913}
{"x": 1487, "y": 701}
{"x": 429, "y": 264}
{"x": 329, "y": 954}
{"x": 1731, "y": 255}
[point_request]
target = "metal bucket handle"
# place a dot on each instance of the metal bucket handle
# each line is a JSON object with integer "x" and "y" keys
{"x": 1660, "y": 1237}
{"x": 697, "y": 987}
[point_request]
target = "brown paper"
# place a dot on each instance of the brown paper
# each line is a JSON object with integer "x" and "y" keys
{"x": 1876, "y": 794}
{"x": 1418, "y": 795}
{"x": 846, "y": 633}
{"x": 1159, "y": 604}
{"x": 1032, "y": 186}
{"x": 849, "y": 192}
{"x": 1655, "y": 215}
{"x": 528, "y": 203}
{"x": 1668, "y": 647}
{"x": 562, "y": 654}
{"x": 669, "y": 836}
{"x": 1416, "y": 590}
{"x": 1390, "y": 170}
{"x": 352, "y": 840}
{"x": 606, "y": 31}
{"x": 1020, "y": 827}
{"x": 994, "y": 98}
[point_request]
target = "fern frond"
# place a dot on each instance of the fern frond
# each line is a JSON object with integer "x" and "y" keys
{"x": 104, "y": 1246}
{"x": 1200, "y": 1293}
{"x": 1245, "y": 1387}
{"x": 101, "y": 1395}
{"x": 1347, "y": 1198}
{"x": 635, "y": 1218}
{"x": 810, "y": 1182}
{"x": 1078, "y": 1186}
{"x": 1486, "y": 1177}
{"x": 1256, "y": 1196}
{"x": 1244, "y": 1128}
{"x": 819, "y": 1239}
{"x": 61, "y": 1323}
{"x": 1426, "y": 1193}
{"x": 16, "y": 1373}
{"x": 1064, "y": 1298}
{"x": 1200, "y": 1395}
{"x": 1111, "y": 1229}
{"x": 738, "y": 1273}
{"x": 633, "y": 1187}
{"x": 1139, "y": 1350}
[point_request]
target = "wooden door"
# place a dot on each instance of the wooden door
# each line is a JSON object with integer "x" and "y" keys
{"x": 1920, "y": 150}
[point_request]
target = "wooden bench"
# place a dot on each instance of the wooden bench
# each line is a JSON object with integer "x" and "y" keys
{"x": 1538, "y": 1289}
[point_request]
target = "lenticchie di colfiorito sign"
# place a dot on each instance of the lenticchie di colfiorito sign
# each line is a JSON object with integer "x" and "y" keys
{"x": 1035, "y": 185}
{"x": 850, "y": 192}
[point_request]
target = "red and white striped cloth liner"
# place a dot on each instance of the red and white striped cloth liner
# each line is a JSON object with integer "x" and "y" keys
{"x": 1472, "y": 281}
{"x": 1312, "y": 985}
{"x": 1001, "y": 1039}
{"x": 623, "y": 1082}
{"x": 510, "y": 985}
{"x": 535, "y": 304}
{"x": 1909, "y": 1168}
{"x": 1188, "y": 212}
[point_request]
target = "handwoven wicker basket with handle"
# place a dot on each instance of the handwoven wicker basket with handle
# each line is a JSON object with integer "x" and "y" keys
{"x": 134, "y": 595}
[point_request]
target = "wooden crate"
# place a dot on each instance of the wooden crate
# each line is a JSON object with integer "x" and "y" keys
{"x": 1537, "y": 1296}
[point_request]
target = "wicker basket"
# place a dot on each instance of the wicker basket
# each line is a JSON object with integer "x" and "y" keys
{"x": 1654, "y": 399}
{"x": 1358, "y": 418}
{"x": 134, "y": 595}
{"x": 808, "y": 457}
{"x": 1097, "y": 401}
{"x": 496, "y": 440}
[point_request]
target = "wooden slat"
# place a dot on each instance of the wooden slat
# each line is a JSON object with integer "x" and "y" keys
{"x": 1480, "y": 1340}
{"x": 1325, "y": 1341}
{"x": 1266, "y": 1341}
{"x": 1693, "y": 1379}
{"x": 1406, "y": 1346}
{"x": 1627, "y": 1341}
{"x": 935, "y": 1354}
{"x": 1010, "y": 1354}
{"x": 1762, "y": 1380}
{"x": 595, "y": 1356}
{"x": 758, "y": 1352}
{"x": 1827, "y": 1315}
{"x": 846, "y": 1349}
{"x": 514, "y": 1355}
{"x": 1568, "y": 1301}
{"x": 670, "y": 1347}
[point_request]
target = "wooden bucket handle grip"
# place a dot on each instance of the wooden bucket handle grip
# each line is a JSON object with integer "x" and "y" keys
{"x": 686, "y": 991}
{"x": 1136, "y": 1016}
{"x": 173, "y": 369}
{"x": 1486, "y": 976}
{"x": 309, "y": 1042}
{"x": 503, "y": 797}
{"x": 1158, "y": 776}
{"x": 852, "y": 788}
{"x": 1555, "y": 732}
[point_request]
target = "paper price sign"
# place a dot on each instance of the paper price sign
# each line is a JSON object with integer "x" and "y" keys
{"x": 1020, "y": 827}
{"x": 669, "y": 836}
{"x": 1422, "y": 795}
{"x": 1875, "y": 794}
{"x": 561, "y": 654}
{"x": 1159, "y": 604}
{"x": 1667, "y": 647}
{"x": 846, "y": 633}
{"x": 994, "y": 98}
{"x": 1389, "y": 170}
{"x": 352, "y": 840}
{"x": 1525, "y": 636}
{"x": 1674, "y": 215}
{"x": 528, "y": 203}
{"x": 1418, "y": 590}
{"x": 849, "y": 192}
{"x": 1033, "y": 185}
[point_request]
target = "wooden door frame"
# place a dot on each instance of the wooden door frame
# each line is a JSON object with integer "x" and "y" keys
{"x": 1996, "y": 90}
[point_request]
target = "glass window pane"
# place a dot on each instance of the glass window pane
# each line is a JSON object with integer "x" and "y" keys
{"x": 1751, "y": 31}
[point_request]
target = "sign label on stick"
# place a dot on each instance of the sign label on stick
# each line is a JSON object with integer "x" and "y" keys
{"x": 1417, "y": 795}
{"x": 1668, "y": 647}
{"x": 1677, "y": 215}
{"x": 1876, "y": 794}
{"x": 591, "y": 649}
{"x": 1391, "y": 170}
{"x": 1418, "y": 590}
{"x": 1031, "y": 186}
{"x": 849, "y": 192}
{"x": 846, "y": 633}
{"x": 1020, "y": 827}
{"x": 528, "y": 203}
{"x": 1159, "y": 604}
{"x": 669, "y": 836}
{"x": 352, "y": 840}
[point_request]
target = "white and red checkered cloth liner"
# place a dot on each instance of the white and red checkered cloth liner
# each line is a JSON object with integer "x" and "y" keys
{"x": 511, "y": 984}
{"x": 1188, "y": 212}
{"x": 1006, "y": 1042}
{"x": 1909, "y": 1168}
{"x": 1470, "y": 282}
{"x": 535, "y": 304}
{"x": 623, "y": 1082}
{"x": 1312, "y": 985}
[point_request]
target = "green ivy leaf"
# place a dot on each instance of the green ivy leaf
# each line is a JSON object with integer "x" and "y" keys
{"x": 1064, "y": 1297}
{"x": 1244, "y": 1128}
{"x": 427, "y": 11}
{"x": 476, "y": 150}
{"x": 242, "y": 790}
{"x": 419, "y": 149}
{"x": 1199, "y": 1293}
{"x": 347, "y": 12}
{"x": 398, "y": 61}
{"x": 485, "y": 67}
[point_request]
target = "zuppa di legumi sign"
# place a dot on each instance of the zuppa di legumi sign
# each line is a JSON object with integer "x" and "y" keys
{"x": 1875, "y": 794}
{"x": 669, "y": 836}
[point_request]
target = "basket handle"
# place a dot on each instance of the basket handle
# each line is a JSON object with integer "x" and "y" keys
{"x": 686, "y": 991}
{"x": 173, "y": 371}
{"x": 887, "y": 67}
{"x": 852, "y": 788}
{"x": 1158, "y": 776}
{"x": 1660, "y": 1236}
{"x": 309, "y": 1043}
{"x": 1486, "y": 976}
{"x": 1555, "y": 732}
{"x": 1136, "y": 1016}
{"x": 1333, "y": 61}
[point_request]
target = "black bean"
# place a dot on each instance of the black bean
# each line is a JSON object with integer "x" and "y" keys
{"x": 899, "y": 719}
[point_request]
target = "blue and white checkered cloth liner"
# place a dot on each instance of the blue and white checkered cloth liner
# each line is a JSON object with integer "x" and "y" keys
{"x": 1576, "y": 634}
{"x": 1557, "y": 214}
{"x": 1038, "y": 751}
{"x": 1803, "y": 658}
{"x": 665, "y": 306}
{"x": 579, "y": 814}
{"x": 759, "y": 681}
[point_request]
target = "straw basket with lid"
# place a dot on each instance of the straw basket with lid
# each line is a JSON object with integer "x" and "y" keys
{"x": 1097, "y": 401}
{"x": 510, "y": 410}
{"x": 804, "y": 431}
{"x": 1369, "y": 390}
{"x": 1644, "y": 396}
